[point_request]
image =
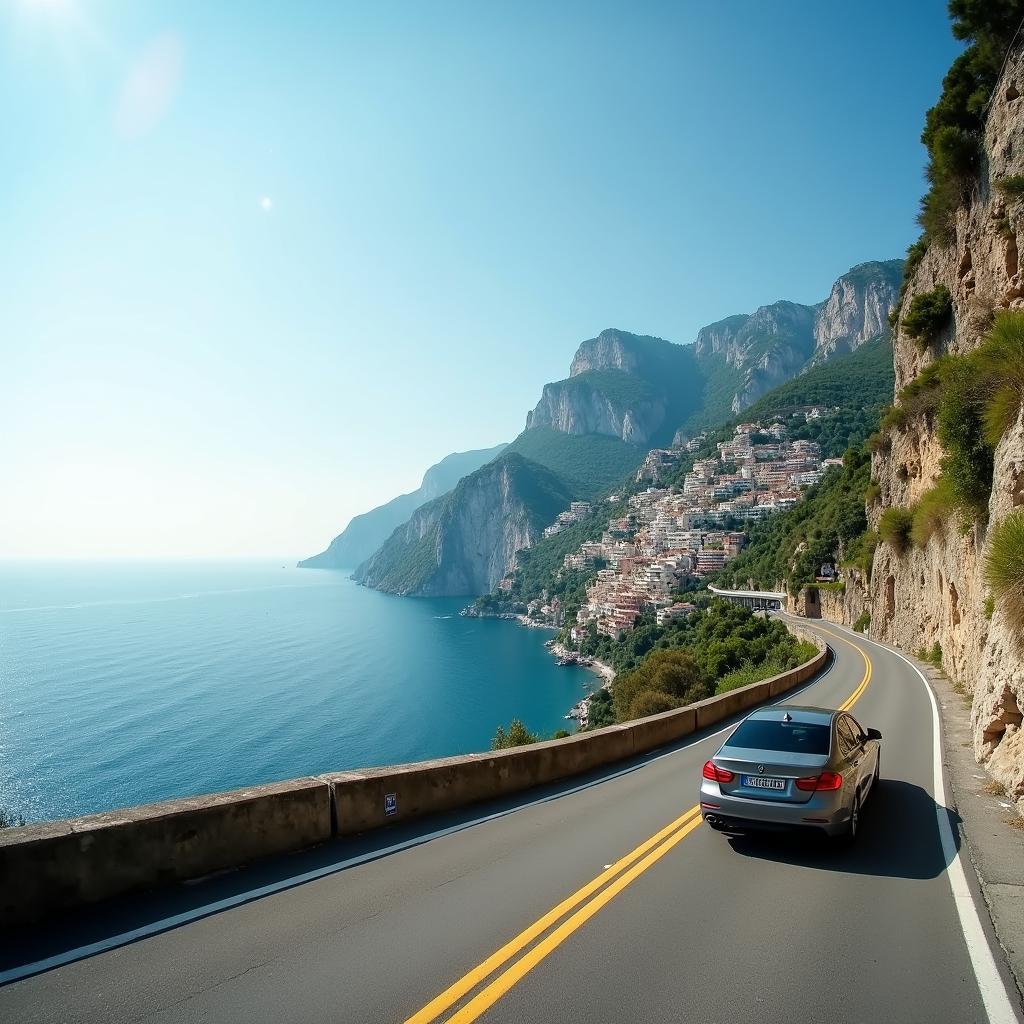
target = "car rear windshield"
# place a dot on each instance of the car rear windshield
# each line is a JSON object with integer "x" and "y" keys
{"x": 791, "y": 737}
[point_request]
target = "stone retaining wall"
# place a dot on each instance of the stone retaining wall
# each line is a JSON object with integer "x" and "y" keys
{"x": 53, "y": 867}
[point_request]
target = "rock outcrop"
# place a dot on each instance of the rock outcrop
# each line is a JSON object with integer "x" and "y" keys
{"x": 583, "y": 405}
{"x": 463, "y": 543}
{"x": 366, "y": 532}
{"x": 857, "y": 308}
{"x": 781, "y": 340}
{"x": 630, "y": 386}
{"x": 937, "y": 594}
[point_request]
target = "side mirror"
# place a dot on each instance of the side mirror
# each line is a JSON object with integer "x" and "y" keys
{"x": 874, "y": 734}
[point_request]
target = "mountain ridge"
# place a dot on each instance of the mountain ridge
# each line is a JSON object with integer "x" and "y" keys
{"x": 366, "y": 532}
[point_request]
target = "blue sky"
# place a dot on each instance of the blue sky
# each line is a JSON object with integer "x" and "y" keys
{"x": 263, "y": 262}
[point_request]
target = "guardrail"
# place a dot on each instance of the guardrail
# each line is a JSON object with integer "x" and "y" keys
{"x": 54, "y": 867}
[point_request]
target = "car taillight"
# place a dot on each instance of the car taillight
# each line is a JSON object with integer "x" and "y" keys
{"x": 816, "y": 783}
{"x": 716, "y": 774}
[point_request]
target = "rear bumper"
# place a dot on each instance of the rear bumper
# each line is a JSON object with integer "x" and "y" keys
{"x": 823, "y": 812}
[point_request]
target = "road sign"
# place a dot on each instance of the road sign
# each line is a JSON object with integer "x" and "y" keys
{"x": 390, "y": 804}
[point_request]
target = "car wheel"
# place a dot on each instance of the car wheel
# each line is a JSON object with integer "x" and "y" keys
{"x": 853, "y": 826}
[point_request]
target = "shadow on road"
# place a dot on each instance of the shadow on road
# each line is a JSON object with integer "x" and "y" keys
{"x": 899, "y": 838}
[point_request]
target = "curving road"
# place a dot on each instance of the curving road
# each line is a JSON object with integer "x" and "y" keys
{"x": 604, "y": 900}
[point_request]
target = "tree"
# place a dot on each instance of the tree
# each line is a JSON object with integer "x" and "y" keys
{"x": 517, "y": 736}
{"x": 674, "y": 674}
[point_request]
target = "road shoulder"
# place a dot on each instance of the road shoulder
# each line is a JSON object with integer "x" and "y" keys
{"x": 991, "y": 831}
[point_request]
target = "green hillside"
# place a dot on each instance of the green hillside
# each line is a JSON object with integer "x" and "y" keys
{"x": 588, "y": 463}
{"x": 862, "y": 379}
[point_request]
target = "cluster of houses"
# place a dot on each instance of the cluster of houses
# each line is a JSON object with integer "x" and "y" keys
{"x": 668, "y": 534}
{"x": 576, "y": 511}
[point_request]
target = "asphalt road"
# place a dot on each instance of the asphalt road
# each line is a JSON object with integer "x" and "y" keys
{"x": 599, "y": 901}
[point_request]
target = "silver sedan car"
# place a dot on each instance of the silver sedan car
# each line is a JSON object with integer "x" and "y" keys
{"x": 792, "y": 767}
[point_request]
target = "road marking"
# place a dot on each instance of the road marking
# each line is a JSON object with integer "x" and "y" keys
{"x": 868, "y": 669}
{"x": 993, "y": 991}
{"x": 668, "y": 837}
{"x": 455, "y": 992}
{"x": 497, "y": 988}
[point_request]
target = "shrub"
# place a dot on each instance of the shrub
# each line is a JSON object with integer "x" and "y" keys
{"x": 1004, "y": 567}
{"x": 953, "y": 126}
{"x": 967, "y": 465}
{"x": 935, "y": 655}
{"x": 651, "y": 702}
{"x": 929, "y": 312}
{"x": 1000, "y": 359}
{"x": 873, "y": 493}
{"x": 894, "y": 418}
{"x": 894, "y": 528}
{"x": 1012, "y": 187}
{"x": 517, "y": 736}
{"x": 990, "y": 606}
{"x": 862, "y": 623}
{"x": 673, "y": 674}
{"x": 879, "y": 442}
{"x": 931, "y": 513}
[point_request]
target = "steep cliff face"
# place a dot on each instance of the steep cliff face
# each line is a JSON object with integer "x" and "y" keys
{"x": 857, "y": 308}
{"x": 937, "y": 594}
{"x": 464, "y": 542}
{"x": 586, "y": 404}
{"x": 366, "y": 532}
{"x": 610, "y": 350}
{"x": 630, "y": 386}
{"x": 781, "y": 340}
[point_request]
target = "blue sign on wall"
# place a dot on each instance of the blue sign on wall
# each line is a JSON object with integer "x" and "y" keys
{"x": 390, "y": 804}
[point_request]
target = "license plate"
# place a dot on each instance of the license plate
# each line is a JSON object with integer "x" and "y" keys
{"x": 763, "y": 782}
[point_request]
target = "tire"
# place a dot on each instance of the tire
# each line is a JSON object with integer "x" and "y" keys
{"x": 849, "y": 837}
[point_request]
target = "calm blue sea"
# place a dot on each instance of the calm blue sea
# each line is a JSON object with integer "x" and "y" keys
{"x": 126, "y": 683}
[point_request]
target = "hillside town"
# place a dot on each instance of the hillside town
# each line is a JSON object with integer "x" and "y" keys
{"x": 670, "y": 534}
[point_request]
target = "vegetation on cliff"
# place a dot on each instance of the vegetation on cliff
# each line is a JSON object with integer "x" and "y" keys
{"x": 1004, "y": 567}
{"x": 954, "y": 126}
{"x": 928, "y": 314}
{"x": 970, "y": 401}
{"x": 588, "y": 463}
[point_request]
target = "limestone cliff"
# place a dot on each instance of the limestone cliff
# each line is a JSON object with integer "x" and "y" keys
{"x": 366, "y": 532}
{"x": 630, "y": 386}
{"x": 775, "y": 343}
{"x": 856, "y": 309}
{"x": 936, "y": 593}
{"x": 464, "y": 542}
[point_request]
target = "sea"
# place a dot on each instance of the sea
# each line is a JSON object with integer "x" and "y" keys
{"x": 125, "y": 683}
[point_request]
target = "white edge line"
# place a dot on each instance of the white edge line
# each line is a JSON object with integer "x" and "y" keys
{"x": 993, "y": 991}
{"x": 166, "y": 924}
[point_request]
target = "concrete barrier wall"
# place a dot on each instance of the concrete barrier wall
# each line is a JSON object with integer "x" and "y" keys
{"x": 50, "y": 868}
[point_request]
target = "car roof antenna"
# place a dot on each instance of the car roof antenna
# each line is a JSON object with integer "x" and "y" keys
{"x": 787, "y": 717}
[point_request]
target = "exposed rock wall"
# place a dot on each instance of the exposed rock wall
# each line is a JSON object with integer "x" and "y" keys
{"x": 937, "y": 594}
{"x": 575, "y": 407}
{"x": 366, "y": 532}
{"x": 463, "y": 543}
{"x": 857, "y": 309}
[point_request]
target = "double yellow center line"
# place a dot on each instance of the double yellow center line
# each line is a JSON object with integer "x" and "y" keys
{"x": 580, "y": 906}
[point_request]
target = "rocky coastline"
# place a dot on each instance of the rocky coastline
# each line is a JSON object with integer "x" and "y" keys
{"x": 579, "y": 711}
